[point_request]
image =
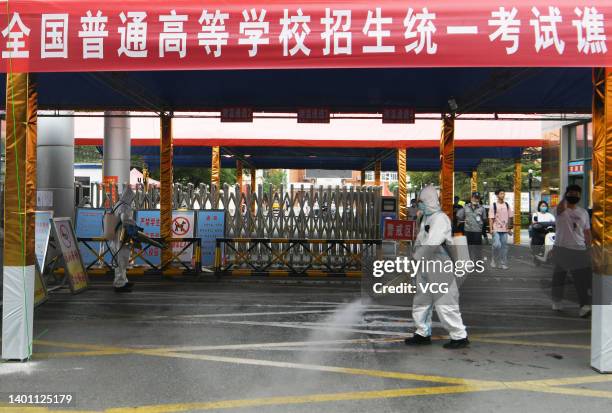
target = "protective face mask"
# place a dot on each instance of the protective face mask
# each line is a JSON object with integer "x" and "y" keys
{"x": 573, "y": 199}
{"x": 424, "y": 209}
{"x": 543, "y": 209}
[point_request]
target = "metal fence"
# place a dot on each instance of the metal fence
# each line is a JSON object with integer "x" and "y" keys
{"x": 308, "y": 216}
{"x": 294, "y": 212}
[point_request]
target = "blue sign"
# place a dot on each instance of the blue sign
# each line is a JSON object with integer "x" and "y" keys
{"x": 210, "y": 226}
{"x": 149, "y": 221}
{"x": 182, "y": 227}
{"x": 89, "y": 225}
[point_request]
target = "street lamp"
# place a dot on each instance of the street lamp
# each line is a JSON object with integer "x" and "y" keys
{"x": 486, "y": 194}
{"x": 529, "y": 183}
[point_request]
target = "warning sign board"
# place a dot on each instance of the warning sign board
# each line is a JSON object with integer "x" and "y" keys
{"x": 182, "y": 227}
{"x": 64, "y": 233}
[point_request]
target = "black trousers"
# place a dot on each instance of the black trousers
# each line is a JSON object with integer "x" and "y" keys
{"x": 578, "y": 263}
{"x": 474, "y": 240}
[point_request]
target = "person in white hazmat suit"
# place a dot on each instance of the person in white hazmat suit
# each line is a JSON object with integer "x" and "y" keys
{"x": 435, "y": 287}
{"x": 124, "y": 211}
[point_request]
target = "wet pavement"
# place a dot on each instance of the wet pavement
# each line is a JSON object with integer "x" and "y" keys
{"x": 288, "y": 345}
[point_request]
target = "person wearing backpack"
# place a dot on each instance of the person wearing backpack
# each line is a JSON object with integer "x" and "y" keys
{"x": 500, "y": 225}
{"x": 431, "y": 246}
{"x": 473, "y": 217}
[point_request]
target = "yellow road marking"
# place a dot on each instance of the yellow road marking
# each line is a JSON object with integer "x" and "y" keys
{"x": 56, "y": 354}
{"x": 282, "y": 400}
{"x": 454, "y": 384}
{"x": 268, "y": 363}
{"x": 314, "y": 398}
{"x": 277, "y": 344}
{"x": 599, "y": 378}
{"x": 81, "y": 346}
{"x": 561, "y": 390}
{"x": 315, "y": 367}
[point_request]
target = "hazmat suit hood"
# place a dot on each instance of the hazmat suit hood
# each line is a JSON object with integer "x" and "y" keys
{"x": 429, "y": 199}
{"x": 123, "y": 208}
{"x": 127, "y": 197}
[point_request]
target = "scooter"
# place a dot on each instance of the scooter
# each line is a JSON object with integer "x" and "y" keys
{"x": 542, "y": 241}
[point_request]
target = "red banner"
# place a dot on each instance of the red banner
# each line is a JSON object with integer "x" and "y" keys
{"x": 64, "y": 36}
{"x": 400, "y": 229}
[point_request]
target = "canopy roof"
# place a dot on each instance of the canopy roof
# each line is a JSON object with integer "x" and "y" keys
{"x": 475, "y": 90}
{"x": 349, "y": 131}
{"x": 418, "y": 159}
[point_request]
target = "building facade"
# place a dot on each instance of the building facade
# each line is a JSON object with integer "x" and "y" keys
{"x": 566, "y": 160}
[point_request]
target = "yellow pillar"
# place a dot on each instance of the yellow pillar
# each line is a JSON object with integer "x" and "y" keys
{"x": 401, "y": 183}
{"x": 166, "y": 172}
{"x": 363, "y": 178}
{"x": 447, "y": 164}
{"x": 517, "y": 201}
{"x": 601, "y": 222}
{"x": 19, "y": 207}
{"x": 602, "y": 170}
{"x": 239, "y": 174}
{"x": 253, "y": 173}
{"x": 215, "y": 173}
{"x": 377, "y": 166}
{"x": 474, "y": 181}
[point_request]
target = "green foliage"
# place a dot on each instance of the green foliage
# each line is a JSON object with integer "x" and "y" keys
{"x": 194, "y": 175}
{"x": 497, "y": 173}
{"x": 87, "y": 154}
{"x": 274, "y": 178}
{"x": 393, "y": 186}
{"x": 420, "y": 179}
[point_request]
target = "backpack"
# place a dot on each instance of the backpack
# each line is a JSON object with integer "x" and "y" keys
{"x": 495, "y": 208}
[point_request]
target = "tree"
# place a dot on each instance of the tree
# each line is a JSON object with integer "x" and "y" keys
{"x": 420, "y": 179}
{"x": 87, "y": 154}
{"x": 273, "y": 178}
{"x": 497, "y": 173}
{"x": 393, "y": 186}
{"x": 196, "y": 176}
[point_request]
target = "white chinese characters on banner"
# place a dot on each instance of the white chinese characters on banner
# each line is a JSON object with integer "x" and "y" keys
{"x": 508, "y": 28}
{"x": 294, "y": 28}
{"x": 133, "y": 35}
{"x": 254, "y": 27}
{"x": 53, "y": 36}
{"x": 550, "y": 27}
{"x": 173, "y": 39}
{"x": 337, "y": 24}
{"x": 424, "y": 31}
{"x": 378, "y": 33}
{"x": 213, "y": 31}
{"x": 15, "y": 32}
{"x": 545, "y": 27}
{"x": 590, "y": 27}
{"x": 93, "y": 34}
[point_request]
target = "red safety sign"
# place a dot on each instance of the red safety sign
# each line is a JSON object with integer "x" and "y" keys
{"x": 400, "y": 229}
{"x": 180, "y": 226}
{"x": 78, "y": 35}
